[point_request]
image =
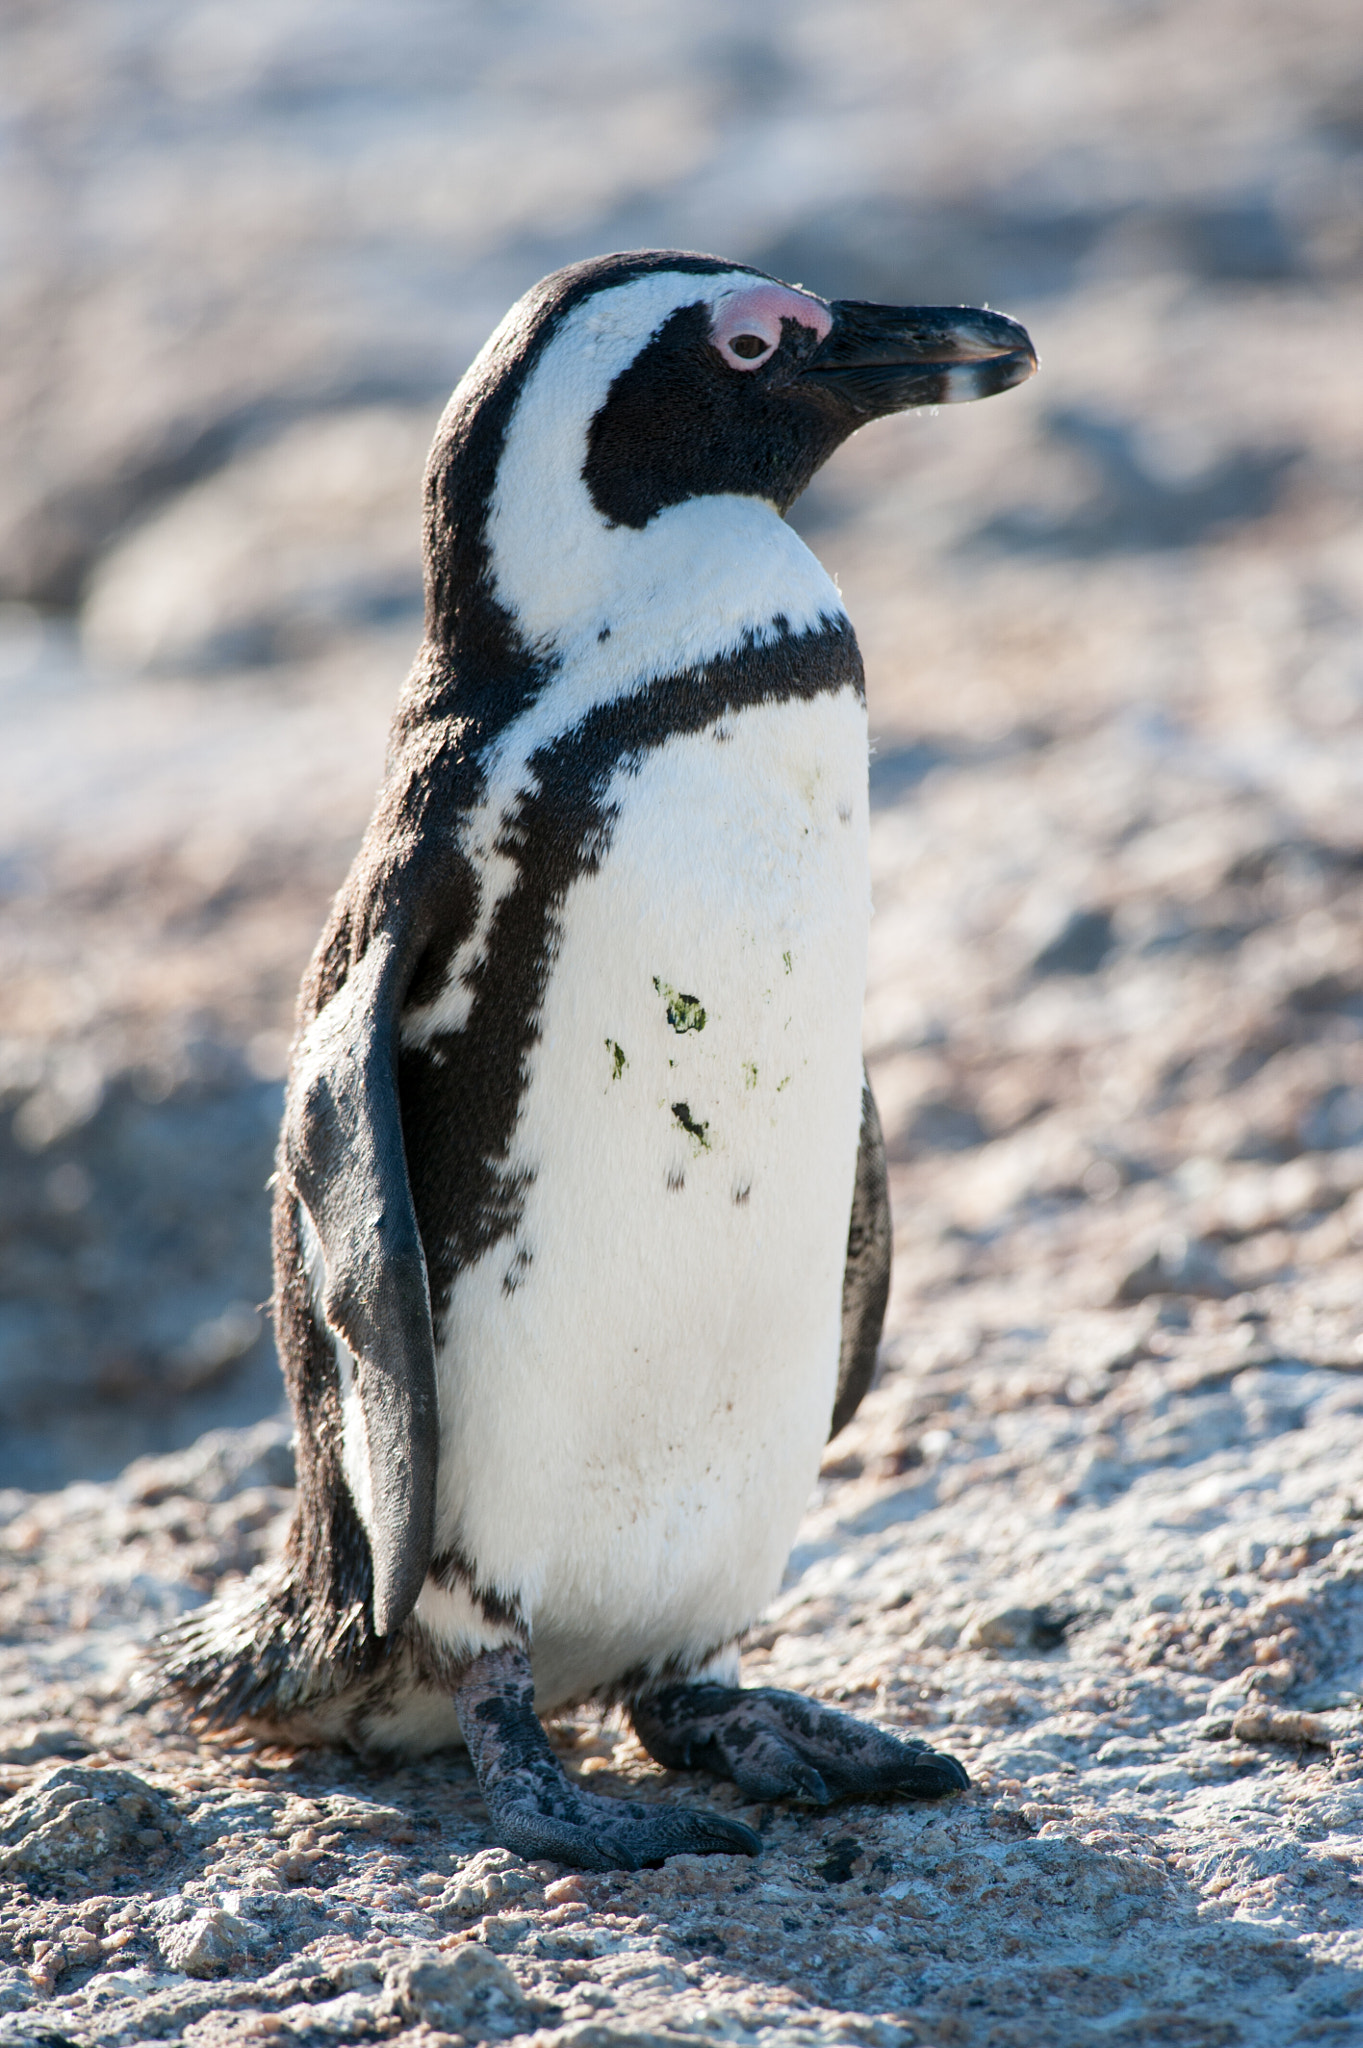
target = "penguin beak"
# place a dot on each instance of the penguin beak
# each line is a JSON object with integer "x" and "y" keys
{"x": 882, "y": 359}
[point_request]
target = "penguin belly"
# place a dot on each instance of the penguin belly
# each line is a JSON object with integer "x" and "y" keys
{"x": 635, "y": 1386}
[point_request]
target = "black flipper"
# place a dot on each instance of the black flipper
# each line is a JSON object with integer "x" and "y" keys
{"x": 866, "y": 1277}
{"x": 342, "y": 1151}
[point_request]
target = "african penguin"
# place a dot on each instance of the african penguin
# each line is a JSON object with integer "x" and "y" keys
{"x": 581, "y": 1222}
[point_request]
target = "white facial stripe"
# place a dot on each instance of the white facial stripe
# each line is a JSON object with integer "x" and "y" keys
{"x": 688, "y": 587}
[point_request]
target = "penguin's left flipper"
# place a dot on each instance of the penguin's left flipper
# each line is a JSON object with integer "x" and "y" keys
{"x": 342, "y": 1153}
{"x": 866, "y": 1274}
{"x": 538, "y": 1811}
{"x": 779, "y": 1745}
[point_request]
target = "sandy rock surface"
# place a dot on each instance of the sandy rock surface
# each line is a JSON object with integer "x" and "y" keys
{"x": 1115, "y": 1564}
{"x": 1099, "y": 1530}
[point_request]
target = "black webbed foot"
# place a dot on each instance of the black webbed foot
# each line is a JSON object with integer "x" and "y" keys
{"x": 536, "y": 1808}
{"x": 779, "y": 1745}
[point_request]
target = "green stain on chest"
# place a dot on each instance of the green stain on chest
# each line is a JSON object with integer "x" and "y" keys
{"x": 692, "y": 1126}
{"x": 684, "y": 1013}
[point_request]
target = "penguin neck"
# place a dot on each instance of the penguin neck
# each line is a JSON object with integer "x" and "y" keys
{"x": 615, "y": 607}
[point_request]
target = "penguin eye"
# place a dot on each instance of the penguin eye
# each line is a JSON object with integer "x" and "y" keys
{"x": 748, "y": 324}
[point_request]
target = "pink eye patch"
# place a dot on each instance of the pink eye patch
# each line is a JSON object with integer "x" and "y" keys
{"x": 746, "y": 327}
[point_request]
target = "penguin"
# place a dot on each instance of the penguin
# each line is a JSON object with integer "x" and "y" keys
{"x": 581, "y": 1223}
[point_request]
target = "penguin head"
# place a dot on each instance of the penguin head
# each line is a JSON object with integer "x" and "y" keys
{"x": 749, "y": 385}
{"x": 621, "y": 389}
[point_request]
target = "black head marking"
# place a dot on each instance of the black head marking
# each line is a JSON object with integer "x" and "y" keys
{"x": 682, "y": 423}
{"x": 703, "y": 410}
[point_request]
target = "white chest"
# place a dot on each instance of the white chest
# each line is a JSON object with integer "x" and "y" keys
{"x": 635, "y": 1387}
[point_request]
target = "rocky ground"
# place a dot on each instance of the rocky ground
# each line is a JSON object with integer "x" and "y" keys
{"x": 1099, "y": 1531}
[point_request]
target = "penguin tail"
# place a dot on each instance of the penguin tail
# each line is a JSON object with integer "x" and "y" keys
{"x": 264, "y": 1657}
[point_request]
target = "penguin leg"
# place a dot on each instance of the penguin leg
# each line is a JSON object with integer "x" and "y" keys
{"x": 536, "y": 1808}
{"x": 779, "y": 1745}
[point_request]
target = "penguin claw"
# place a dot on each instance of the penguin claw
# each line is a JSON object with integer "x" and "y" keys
{"x": 537, "y": 1810}
{"x": 609, "y": 1835}
{"x": 807, "y": 1784}
{"x": 932, "y": 1772}
{"x": 778, "y": 1745}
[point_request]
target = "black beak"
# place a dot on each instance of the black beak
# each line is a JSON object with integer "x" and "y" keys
{"x": 880, "y": 359}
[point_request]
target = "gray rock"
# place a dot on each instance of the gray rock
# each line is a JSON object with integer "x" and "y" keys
{"x": 16, "y": 1993}
{"x": 466, "y": 1991}
{"x": 80, "y": 1820}
{"x": 491, "y": 1879}
{"x": 1007, "y": 1628}
{"x": 351, "y": 2017}
{"x": 941, "y": 1125}
{"x": 206, "y": 1945}
{"x": 139, "y": 1297}
{"x": 595, "y": 2035}
{"x": 1017, "y": 1628}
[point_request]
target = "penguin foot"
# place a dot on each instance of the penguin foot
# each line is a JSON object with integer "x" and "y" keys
{"x": 778, "y": 1745}
{"x": 538, "y": 1811}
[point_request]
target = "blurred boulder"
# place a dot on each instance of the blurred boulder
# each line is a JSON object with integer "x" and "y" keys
{"x": 293, "y": 542}
{"x": 38, "y": 1743}
{"x": 220, "y": 1465}
{"x": 1179, "y": 1265}
{"x": 1003, "y": 1628}
{"x": 1127, "y": 505}
{"x": 1334, "y": 1121}
{"x": 134, "y": 1254}
{"x": 1080, "y": 947}
{"x": 941, "y": 1124}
